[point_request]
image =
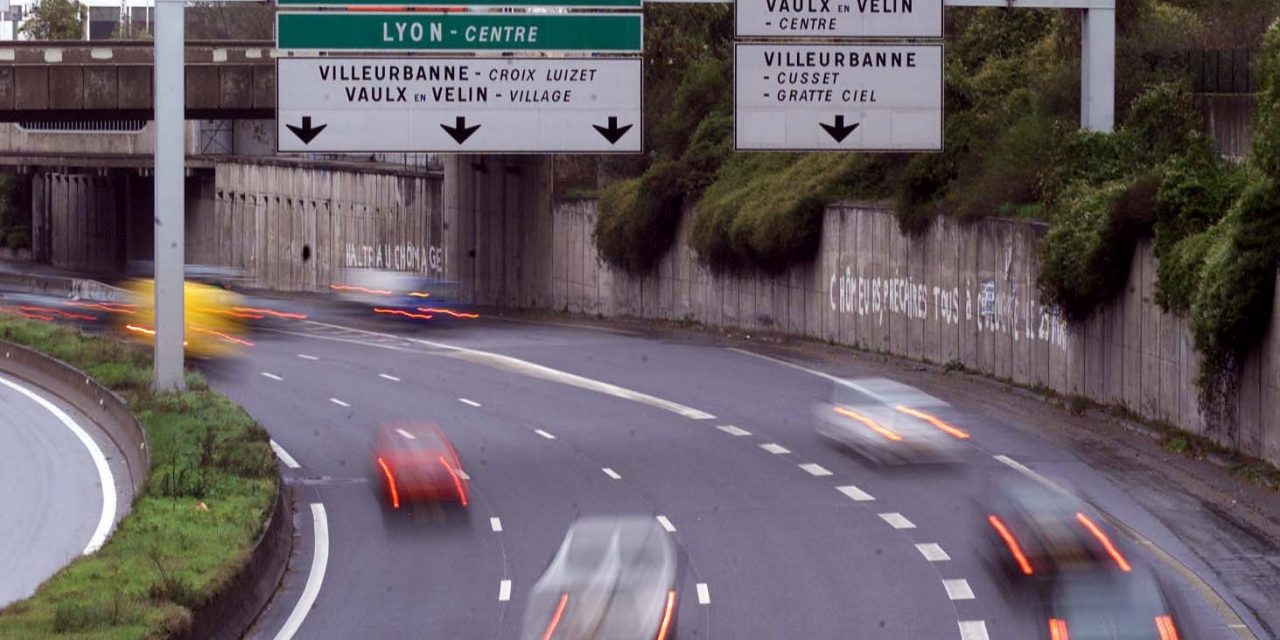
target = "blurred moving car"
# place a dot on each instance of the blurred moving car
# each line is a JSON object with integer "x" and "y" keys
{"x": 614, "y": 578}
{"x": 1110, "y": 605}
{"x": 888, "y": 423}
{"x": 400, "y": 294}
{"x": 416, "y": 463}
{"x": 214, "y": 328}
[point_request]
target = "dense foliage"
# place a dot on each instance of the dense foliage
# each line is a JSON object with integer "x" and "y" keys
{"x": 55, "y": 20}
{"x": 15, "y": 223}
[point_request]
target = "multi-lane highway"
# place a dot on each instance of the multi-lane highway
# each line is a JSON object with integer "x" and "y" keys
{"x": 782, "y": 535}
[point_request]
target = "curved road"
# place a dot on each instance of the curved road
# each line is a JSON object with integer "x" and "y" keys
{"x": 784, "y": 536}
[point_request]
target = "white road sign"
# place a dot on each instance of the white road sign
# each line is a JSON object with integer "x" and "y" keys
{"x": 465, "y": 105}
{"x": 839, "y": 18}
{"x": 834, "y": 97}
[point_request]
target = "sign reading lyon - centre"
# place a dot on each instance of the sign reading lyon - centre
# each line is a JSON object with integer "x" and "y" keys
{"x": 375, "y": 31}
{"x": 839, "y": 18}
{"x": 834, "y": 97}
{"x": 495, "y": 105}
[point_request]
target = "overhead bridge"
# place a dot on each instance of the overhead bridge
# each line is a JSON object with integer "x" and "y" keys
{"x": 78, "y": 80}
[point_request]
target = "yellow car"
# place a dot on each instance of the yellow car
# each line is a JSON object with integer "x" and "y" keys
{"x": 215, "y": 328}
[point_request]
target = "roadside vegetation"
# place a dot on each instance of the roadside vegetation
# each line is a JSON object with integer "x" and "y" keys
{"x": 15, "y": 224}
{"x": 211, "y": 485}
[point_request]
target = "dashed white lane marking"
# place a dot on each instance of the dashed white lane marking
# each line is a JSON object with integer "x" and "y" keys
{"x": 973, "y": 630}
{"x": 932, "y": 552}
{"x": 307, "y": 357}
{"x": 469, "y": 403}
{"x": 339, "y": 402}
{"x": 387, "y": 376}
{"x": 958, "y": 589}
{"x": 319, "y": 560}
{"x": 462, "y": 474}
{"x": 284, "y": 455}
{"x": 666, "y": 524}
{"x": 733, "y": 431}
{"x": 611, "y": 473}
{"x": 495, "y": 524}
{"x": 544, "y": 434}
{"x": 897, "y": 521}
{"x": 272, "y": 376}
{"x": 504, "y": 591}
{"x": 816, "y": 469}
{"x": 704, "y": 593}
{"x": 775, "y": 448}
{"x": 406, "y": 435}
{"x": 107, "y": 518}
{"x": 855, "y": 494}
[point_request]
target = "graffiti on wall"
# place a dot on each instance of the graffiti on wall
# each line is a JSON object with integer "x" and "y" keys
{"x": 992, "y": 307}
{"x": 397, "y": 257}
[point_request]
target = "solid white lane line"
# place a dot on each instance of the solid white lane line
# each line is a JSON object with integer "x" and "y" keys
{"x": 973, "y": 630}
{"x": 821, "y": 374}
{"x": 504, "y": 591}
{"x": 406, "y": 435}
{"x": 816, "y": 469}
{"x": 272, "y": 376}
{"x": 387, "y": 376}
{"x": 307, "y": 357}
{"x": 855, "y": 494}
{"x": 338, "y": 402}
{"x": 733, "y": 431}
{"x": 495, "y": 524}
{"x": 958, "y": 589}
{"x": 319, "y": 560}
{"x": 775, "y": 448}
{"x": 897, "y": 521}
{"x": 932, "y": 552}
{"x": 462, "y": 474}
{"x": 284, "y": 455}
{"x": 544, "y": 434}
{"x": 611, "y": 473}
{"x": 469, "y": 403}
{"x": 107, "y": 518}
{"x": 704, "y": 593}
{"x": 666, "y": 524}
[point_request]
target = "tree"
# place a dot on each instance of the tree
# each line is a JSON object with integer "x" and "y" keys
{"x": 56, "y": 20}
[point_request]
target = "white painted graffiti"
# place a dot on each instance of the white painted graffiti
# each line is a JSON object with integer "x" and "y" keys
{"x": 398, "y": 257}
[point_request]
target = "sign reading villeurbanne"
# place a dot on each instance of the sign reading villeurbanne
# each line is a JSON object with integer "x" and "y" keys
{"x": 334, "y": 31}
{"x": 516, "y": 105}
{"x": 839, "y": 18}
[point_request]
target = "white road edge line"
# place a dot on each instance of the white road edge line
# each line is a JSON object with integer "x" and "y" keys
{"x": 733, "y": 431}
{"x": 504, "y": 591}
{"x": 704, "y": 593}
{"x": 666, "y": 524}
{"x": 544, "y": 434}
{"x": 319, "y": 561}
{"x": 469, "y": 403}
{"x": 973, "y": 630}
{"x": 272, "y": 376}
{"x": 821, "y": 374}
{"x": 611, "y": 473}
{"x": 816, "y": 469}
{"x": 932, "y": 552}
{"x": 775, "y": 448}
{"x": 387, "y": 376}
{"x": 495, "y": 524}
{"x": 307, "y": 357}
{"x": 958, "y": 589}
{"x": 107, "y": 518}
{"x": 284, "y": 455}
{"x": 897, "y": 521}
{"x": 855, "y": 494}
{"x": 339, "y": 402}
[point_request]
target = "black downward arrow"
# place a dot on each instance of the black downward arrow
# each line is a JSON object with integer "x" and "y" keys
{"x": 613, "y": 133}
{"x": 459, "y": 131}
{"x": 839, "y": 131}
{"x": 306, "y": 133}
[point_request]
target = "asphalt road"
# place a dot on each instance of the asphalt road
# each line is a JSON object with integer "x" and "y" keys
{"x": 52, "y": 503}
{"x": 553, "y": 422}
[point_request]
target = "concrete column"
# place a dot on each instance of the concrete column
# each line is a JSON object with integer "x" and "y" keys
{"x": 1098, "y": 71}
{"x": 170, "y": 158}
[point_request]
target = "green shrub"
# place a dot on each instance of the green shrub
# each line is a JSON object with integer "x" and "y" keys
{"x": 639, "y": 218}
{"x": 1178, "y": 270}
{"x": 1266, "y": 141}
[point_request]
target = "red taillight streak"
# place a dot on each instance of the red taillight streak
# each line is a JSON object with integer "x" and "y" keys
{"x": 109, "y": 307}
{"x": 933, "y": 420}
{"x": 347, "y": 287}
{"x": 1164, "y": 624}
{"x": 1106, "y": 542}
{"x": 1012, "y": 543}
{"x": 391, "y": 482}
{"x": 219, "y": 334}
{"x": 555, "y": 619}
{"x": 872, "y": 424}
{"x": 1057, "y": 629}
{"x": 43, "y": 311}
{"x": 398, "y": 312}
{"x": 450, "y": 312}
{"x": 270, "y": 312}
{"x": 668, "y": 612}
{"x": 457, "y": 482}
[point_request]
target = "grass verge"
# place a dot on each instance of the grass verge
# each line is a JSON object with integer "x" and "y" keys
{"x": 212, "y": 483}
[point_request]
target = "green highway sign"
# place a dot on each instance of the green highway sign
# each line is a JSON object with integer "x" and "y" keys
{"x": 357, "y": 31}
{"x": 579, "y": 4}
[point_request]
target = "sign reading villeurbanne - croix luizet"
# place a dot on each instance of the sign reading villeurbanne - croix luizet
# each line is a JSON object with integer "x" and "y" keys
{"x": 839, "y": 18}
{"x": 332, "y": 31}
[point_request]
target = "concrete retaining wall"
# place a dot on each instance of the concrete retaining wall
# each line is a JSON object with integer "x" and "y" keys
{"x": 956, "y": 293}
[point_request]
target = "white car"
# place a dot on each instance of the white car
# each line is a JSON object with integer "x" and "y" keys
{"x": 888, "y": 423}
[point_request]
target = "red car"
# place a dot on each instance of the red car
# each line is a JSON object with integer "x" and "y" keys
{"x": 417, "y": 463}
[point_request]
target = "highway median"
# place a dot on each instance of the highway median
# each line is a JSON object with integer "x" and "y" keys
{"x": 203, "y": 533}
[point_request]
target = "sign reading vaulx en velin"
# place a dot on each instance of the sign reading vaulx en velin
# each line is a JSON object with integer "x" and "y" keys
{"x": 460, "y": 104}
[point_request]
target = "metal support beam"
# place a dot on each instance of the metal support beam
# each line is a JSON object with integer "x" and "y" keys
{"x": 170, "y": 196}
{"x": 1098, "y": 71}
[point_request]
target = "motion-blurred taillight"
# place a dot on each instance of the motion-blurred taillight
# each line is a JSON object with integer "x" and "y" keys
{"x": 1164, "y": 624}
{"x": 937, "y": 422}
{"x": 668, "y": 612}
{"x": 391, "y": 482}
{"x": 1106, "y": 542}
{"x": 1057, "y": 629}
{"x": 457, "y": 482}
{"x": 1012, "y": 543}
{"x": 871, "y": 424}
{"x": 555, "y": 619}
